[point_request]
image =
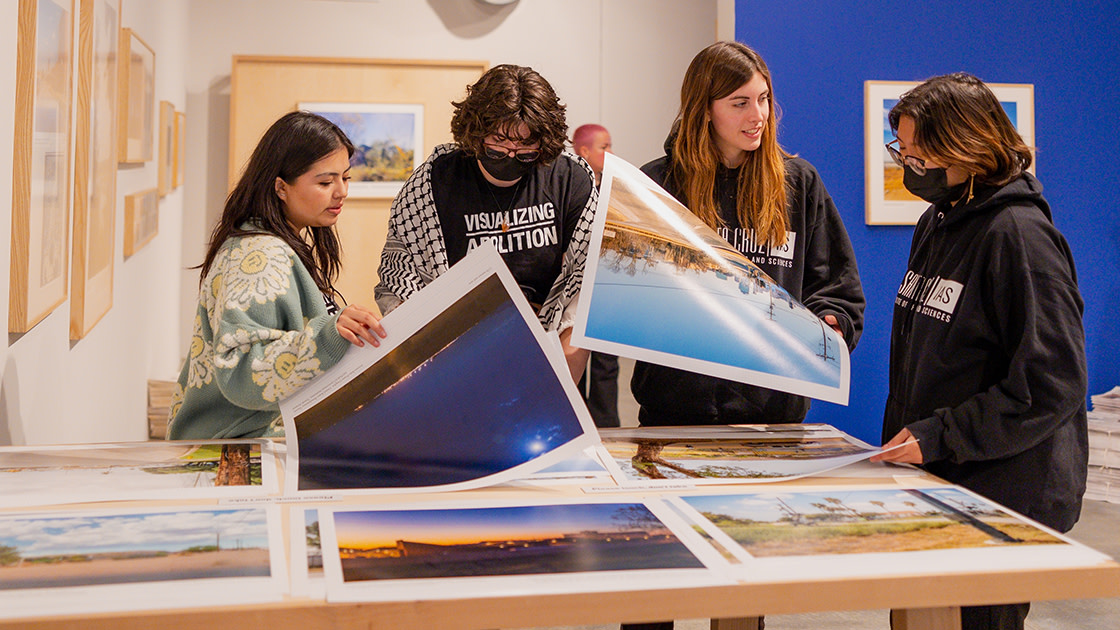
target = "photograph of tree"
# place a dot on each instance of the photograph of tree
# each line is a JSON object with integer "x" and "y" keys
{"x": 728, "y": 454}
{"x": 41, "y": 475}
{"x": 717, "y": 312}
{"x": 851, "y": 521}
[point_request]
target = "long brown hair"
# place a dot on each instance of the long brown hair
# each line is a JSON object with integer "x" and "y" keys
{"x": 714, "y": 73}
{"x": 502, "y": 99}
{"x": 958, "y": 121}
{"x": 291, "y": 146}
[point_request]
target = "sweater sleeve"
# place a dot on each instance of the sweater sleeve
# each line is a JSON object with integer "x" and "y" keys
{"x": 831, "y": 284}
{"x": 558, "y": 311}
{"x": 270, "y": 336}
{"x": 1034, "y": 310}
{"x": 414, "y": 252}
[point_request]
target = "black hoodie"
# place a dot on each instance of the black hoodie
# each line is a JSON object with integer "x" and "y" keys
{"x": 818, "y": 269}
{"x": 987, "y": 365}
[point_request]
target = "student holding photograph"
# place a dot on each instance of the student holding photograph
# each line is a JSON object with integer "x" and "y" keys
{"x": 267, "y": 319}
{"x": 723, "y": 162}
{"x": 505, "y": 180}
{"x": 987, "y": 370}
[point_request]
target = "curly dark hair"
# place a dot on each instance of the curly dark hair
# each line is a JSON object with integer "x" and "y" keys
{"x": 503, "y": 98}
{"x": 291, "y": 146}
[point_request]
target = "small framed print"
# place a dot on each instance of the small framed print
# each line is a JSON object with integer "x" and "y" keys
{"x": 141, "y": 219}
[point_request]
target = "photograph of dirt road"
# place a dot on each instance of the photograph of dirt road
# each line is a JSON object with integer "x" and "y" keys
{"x": 846, "y": 521}
{"x": 51, "y": 551}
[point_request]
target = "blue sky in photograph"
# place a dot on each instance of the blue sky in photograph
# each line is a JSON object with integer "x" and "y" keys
{"x": 368, "y": 128}
{"x": 155, "y": 531}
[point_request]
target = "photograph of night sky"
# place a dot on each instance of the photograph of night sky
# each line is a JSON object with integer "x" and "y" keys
{"x": 468, "y": 395}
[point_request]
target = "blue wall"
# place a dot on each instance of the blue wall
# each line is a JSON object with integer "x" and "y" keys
{"x": 820, "y": 53}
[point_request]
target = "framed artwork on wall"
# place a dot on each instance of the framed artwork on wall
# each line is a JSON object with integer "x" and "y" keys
{"x": 95, "y": 165}
{"x": 141, "y": 219}
{"x": 166, "y": 146}
{"x": 180, "y": 151}
{"x": 888, "y": 201}
{"x": 40, "y": 241}
{"x": 386, "y": 139}
{"x": 137, "y": 81}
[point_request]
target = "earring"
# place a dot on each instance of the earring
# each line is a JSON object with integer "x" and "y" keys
{"x": 971, "y": 180}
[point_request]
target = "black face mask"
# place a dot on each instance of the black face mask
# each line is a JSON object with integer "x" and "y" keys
{"x": 933, "y": 186}
{"x": 507, "y": 169}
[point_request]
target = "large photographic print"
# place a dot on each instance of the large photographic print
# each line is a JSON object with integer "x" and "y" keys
{"x": 134, "y": 559}
{"x": 78, "y": 473}
{"x": 661, "y": 286}
{"x": 466, "y": 390}
{"x": 727, "y": 454}
{"x": 503, "y": 547}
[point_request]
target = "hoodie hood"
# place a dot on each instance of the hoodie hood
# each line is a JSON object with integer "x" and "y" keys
{"x": 1024, "y": 190}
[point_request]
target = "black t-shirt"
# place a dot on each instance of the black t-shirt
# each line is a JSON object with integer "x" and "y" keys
{"x": 529, "y": 223}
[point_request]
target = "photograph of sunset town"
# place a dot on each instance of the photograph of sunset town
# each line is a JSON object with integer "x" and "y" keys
{"x": 493, "y": 541}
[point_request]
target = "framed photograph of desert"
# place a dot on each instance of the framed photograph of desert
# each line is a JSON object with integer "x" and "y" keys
{"x": 95, "y": 165}
{"x": 40, "y": 240}
{"x": 386, "y": 137}
{"x": 137, "y": 84}
{"x": 141, "y": 219}
{"x": 888, "y": 201}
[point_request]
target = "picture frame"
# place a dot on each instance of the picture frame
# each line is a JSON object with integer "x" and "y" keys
{"x": 887, "y": 200}
{"x": 141, "y": 219}
{"x": 95, "y": 165}
{"x": 387, "y": 137}
{"x": 166, "y": 157}
{"x": 137, "y": 87}
{"x": 40, "y": 238}
{"x": 180, "y": 151}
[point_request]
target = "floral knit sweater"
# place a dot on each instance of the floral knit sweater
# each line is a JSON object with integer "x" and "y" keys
{"x": 262, "y": 330}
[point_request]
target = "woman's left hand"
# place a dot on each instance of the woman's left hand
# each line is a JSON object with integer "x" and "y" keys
{"x": 358, "y": 325}
{"x": 908, "y": 453}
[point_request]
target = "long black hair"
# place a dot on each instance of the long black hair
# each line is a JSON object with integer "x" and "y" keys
{"x": 287, "y": 150}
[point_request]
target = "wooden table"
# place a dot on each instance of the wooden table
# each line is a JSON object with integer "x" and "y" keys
{"x": 923, "y": 601}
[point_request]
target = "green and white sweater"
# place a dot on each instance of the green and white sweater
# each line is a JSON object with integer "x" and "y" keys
{"x": 262, "y": 330}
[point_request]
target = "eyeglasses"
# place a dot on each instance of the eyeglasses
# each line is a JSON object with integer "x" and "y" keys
{"x": 495, "y": 152}
{"x": 916, "y": 164}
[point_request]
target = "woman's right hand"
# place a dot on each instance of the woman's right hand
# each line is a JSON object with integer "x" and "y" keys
{"x": 358, "y": 325}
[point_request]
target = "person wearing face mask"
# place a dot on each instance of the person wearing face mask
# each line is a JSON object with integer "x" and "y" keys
{"x": 505, "y": 180}
{"x": 987, "y": 365}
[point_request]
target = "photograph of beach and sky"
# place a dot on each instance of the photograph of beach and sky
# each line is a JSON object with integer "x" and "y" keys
{"x": 851, "y": 521}
{"x": 443, "y": 406}
{"x": 667, "y": 289}
{"x": 727, "y": 454}
{"x": 59, "y": 474}
{"x": 505, "y": 541}
{"x": 53, "y": 551}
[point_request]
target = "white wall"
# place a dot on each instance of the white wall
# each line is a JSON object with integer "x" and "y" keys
{"x": 95, "y": 389}
{"x": 616, "y": 62}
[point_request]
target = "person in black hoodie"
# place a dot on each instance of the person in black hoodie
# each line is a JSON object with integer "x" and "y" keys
{"x": 723, "y": 162}
{"x": 987, "y": 365}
